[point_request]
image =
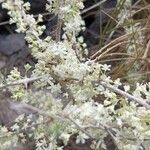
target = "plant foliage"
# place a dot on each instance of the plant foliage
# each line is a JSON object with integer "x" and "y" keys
{"x": 65, "y": 85}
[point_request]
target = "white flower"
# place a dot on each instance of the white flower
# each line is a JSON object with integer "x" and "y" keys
{"x": 106, "y": 67}
{"x": 117, "y": 82}
{"x": 119, "y": 122}
{"x": 81, "y": 138}
{"x": 126, "y": 88}
{"x": 65, "y": 137}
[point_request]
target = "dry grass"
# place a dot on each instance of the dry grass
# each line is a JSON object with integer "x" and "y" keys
{"x": 127, "y": 52}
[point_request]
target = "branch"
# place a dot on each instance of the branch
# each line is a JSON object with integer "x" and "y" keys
{"x": 79, "y": 128}
{"x": 93, "y": 6}
{"x": 147, "y": 50}
{"x": 124, "y": 94}
{"x": 22, "y": 81}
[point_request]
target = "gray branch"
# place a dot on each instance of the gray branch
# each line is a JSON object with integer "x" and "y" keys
{"x": 124, "y": 94}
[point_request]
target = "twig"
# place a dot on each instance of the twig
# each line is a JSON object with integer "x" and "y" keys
{"x": 26, "y": 81}
{"x": 80, "y": 128}
{"x": 124, "y": 94}
{"x": 59, "y": 21}
{"x": 147, "y": 49}
{"x": 108, "y": 129}
{"x": 58, "y": 29}
{"x": 93, "y": 6}
{"x": 22, "y": 81}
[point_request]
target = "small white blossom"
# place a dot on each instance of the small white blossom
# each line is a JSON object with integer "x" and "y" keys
{"x": 81, "y": 138}
{"x": 65, "y": 137}
{"x": 126, "y": 88}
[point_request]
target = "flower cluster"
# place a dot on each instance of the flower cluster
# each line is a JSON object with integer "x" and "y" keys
{"x": 68, "y": 87}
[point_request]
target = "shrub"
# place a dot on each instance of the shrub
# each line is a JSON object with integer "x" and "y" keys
{"x": 64, "y": 87}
